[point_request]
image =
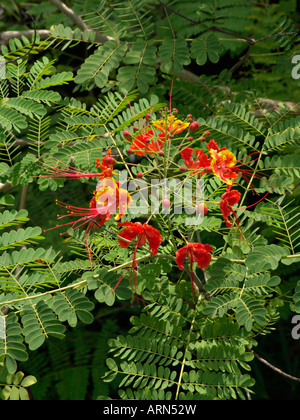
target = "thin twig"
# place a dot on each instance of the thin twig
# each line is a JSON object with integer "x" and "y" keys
{"x": 274, "y": 367}
{"x": 30, "y": 49}
{"x": 62, "y": 7}
{"x": 6, "y": 36}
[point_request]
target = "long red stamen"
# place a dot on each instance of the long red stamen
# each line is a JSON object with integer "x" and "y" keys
{"x": 64, "y": 170}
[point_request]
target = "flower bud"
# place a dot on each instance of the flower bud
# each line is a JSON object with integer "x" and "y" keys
{"x": 139, "y": 175}
{"x": 182, "y": 168}
{"x": 207, "y": 170}
{"x": 166, "y": 203}
{"x": 194, "y": 126}
{"x": 201, "y": 208}
{"x": 127, "y": 135}
{"x": 109, "y": 160}
{"x": 207, "y": 133}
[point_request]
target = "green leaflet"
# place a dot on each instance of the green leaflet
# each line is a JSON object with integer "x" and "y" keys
{"x": 39, "y": 322}
{"x": 267, "y": 257}
{"x": 11, "y": 119}
{"x": 16, "y": 384}
{"x": 98, "y": 66}
{"x": 72, "y": 306}
{"x": 173, "y": 55}
{"x": 11, "y": 341}
{"x": 20, "y": 237}
{"x": 206, "y": 48}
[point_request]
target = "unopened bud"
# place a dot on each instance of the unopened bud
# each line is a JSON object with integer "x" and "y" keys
{"x": 207, "y": 133}
{"x": 139, "y": 175}
{"x": 166, "y": 203}
{"x": 109, "y": 160}
{"x": 194, "y": 126}
{"x": 207, "y": 170}
{"x": 202, "y": 208}
{"x": 127, "y": 135}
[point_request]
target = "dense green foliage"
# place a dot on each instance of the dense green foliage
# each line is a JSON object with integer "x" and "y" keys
{"x": 70, "y": 100}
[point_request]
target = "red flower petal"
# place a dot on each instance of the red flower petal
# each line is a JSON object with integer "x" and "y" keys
{"x": 144, "y": 231}
{"x": 154, "y": 238}
{"x": 130, "y": 232}
{"x": 196, "y": 252}
{"x": 229, "y": 199}
{"x": 212, "y": 145}
{"x": 147, "y": 143}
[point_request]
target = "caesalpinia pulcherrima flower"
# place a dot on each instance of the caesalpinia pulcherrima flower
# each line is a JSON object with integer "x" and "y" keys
{"x": 201, "y": 161}
{"x": 220, "y": 162}
{"x": 108, "y": 199}
{"x": 196, "y": 253}
{"x": 228, "y": 200}
{"x": 61, "y": 170}
{"x": 170, "y": 124}
{"x": 143, "y": 233}
{"x": 147, "y": 143}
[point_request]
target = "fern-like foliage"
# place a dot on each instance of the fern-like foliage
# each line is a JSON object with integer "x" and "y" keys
{"x": 183, "y": 343}
{"x": 175, "y": 352}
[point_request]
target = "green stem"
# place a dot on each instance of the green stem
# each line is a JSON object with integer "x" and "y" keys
{"x": 186, "y": 351}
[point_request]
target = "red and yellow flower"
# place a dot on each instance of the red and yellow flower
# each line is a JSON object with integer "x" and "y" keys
{"x": 143, "y": 233}
{"x": 222, "y": 163}
{"x": 147, "y": 143}
{"x": 202, "y": 161}
{"x": 108, "y": 198}
{"x": 150, "y": 142}
{"x": 170, "y": 124}
{"x": 61, "y": 170}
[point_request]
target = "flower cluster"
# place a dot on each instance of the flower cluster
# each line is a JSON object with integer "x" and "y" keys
{"x": 149, "y": 141}
{"x": 110, "y": 198}
{"x": 222, "y": 164}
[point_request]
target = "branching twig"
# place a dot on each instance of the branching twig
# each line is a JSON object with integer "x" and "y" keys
{"x": 30, "y": 49}
{"x": 78, "y": 21}
{"x": 71, "y": 14}
{"x": 6, "y": 36}
{"x": 250, "y": 41}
